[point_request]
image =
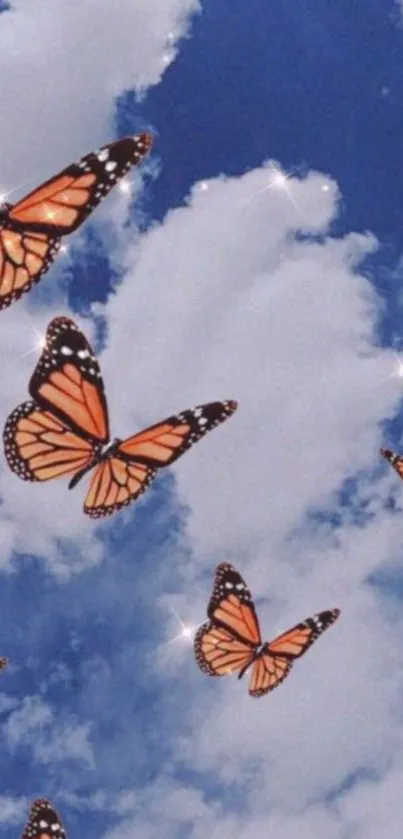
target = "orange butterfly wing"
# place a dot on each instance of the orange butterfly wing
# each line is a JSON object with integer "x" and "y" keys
{"x": 43, "y": 822}
{"x": 218, "y": 652}
{"x": 229, "y": 640}
{"x": 38, "y": 446}
{"x": 162, "y": 444}
{"x": 30, "y": 231}
{"x": 114, "y": 484}
{"x": 24, "y": 257}
{"x": 67, "y": 381}
{"x": 395, "y": 460}
{"x": 134, "y": 462}
{"x": 276, "y": 659}
{"x": 62, "y": 203}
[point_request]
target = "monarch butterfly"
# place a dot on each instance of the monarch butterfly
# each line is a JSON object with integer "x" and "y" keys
{"x": 31, "y": 230}
{"x": 65, "y": 429}
{"x": 394, "y": 459}
{"x": 231, "y": 639}
{"x": 43, "y": 822}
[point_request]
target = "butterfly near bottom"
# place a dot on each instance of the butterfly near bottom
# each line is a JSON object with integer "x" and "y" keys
{"x": 230, "y": 641}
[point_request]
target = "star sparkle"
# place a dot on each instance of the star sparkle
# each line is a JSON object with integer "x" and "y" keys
{"x": 278, "y": 180}
{"x": 187, "y": 630}
{"x": 40, "y": 342}
{"x": 397, "y": 373}
{"x": 125, "y": 186}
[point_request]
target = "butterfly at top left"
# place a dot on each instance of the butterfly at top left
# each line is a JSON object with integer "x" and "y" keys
{"x": 31, "y": 230}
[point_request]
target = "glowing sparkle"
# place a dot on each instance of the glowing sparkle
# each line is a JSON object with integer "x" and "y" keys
{"x": 50, "y": 214}
{"x": 397, "y": 373}
{"x": 187, "y": 631}
{"x": 125, "y": 186}
{"x": 40, "y": 342}
{"x": 203, "y": 186}
{"x": 325, "y": 188}
{"x": 278, "y": 180}
{"x": 64, "y": 249}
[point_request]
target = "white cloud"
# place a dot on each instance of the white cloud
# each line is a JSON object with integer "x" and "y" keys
{"x": 52, "y": 738}
{"x": 63, "y": 66}
{"x": 221, "y": 301}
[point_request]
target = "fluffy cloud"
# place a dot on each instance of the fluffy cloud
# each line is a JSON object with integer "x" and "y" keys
{"x": 223, "y": 300}
{"x": 65, "y": 63}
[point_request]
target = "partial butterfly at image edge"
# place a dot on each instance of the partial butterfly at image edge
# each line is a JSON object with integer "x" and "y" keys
{"x": 29, "y": 236}
{"x": 395, "y": 460}
{"x": 43, "y": 821}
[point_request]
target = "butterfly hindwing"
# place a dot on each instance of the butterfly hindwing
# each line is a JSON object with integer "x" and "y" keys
{"x": 276, "y": 659}
{"x": 43, "y": 822}
{"x": 67, "y": 381}
{"x": 39, "y": 446}
{"x": 31, "y": 230}
{"x": 24, "y": 257}
{"x": 218, "y": 652}
{"x": 162, "y": 444}
{"x": 114, "y": 484}
{"x": 395, "y": 460}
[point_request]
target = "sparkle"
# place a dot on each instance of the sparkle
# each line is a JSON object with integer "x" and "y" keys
{"x": 325, "y": 188}
{"x": 203, "y": 186}
{"x": 278, "y": 180}
{"x": 40, "y": 342}
{"x": 125, "y": 186}
{"x": 64, "y": 248}
{"x": 187, "y": 631}
{"x": 397, "y": 373}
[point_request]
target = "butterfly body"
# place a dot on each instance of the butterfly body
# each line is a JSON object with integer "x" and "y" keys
{"x": 231, "y": 641}
{"x": 64, "y": 429}
{"x": 31, "y": 230}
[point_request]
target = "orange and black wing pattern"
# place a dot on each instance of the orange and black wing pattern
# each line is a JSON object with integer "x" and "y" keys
{"x": 128, "y": 471}
{"x": 67, "y": 381}
{"x": 24, "y": 257}
{"x": 114, "y": 484}
{"x": 39, "y": 446}
{"x": 43, "y": 822}
{"x": 395, "y": 460}
{"x": 30, "y": 230}
{"x": 162, "y": 444}
{"x": 274, "y": 662}
{"x": 230, "y": 639}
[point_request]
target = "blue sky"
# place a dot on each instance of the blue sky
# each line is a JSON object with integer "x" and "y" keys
{"x": 205, "y": 284}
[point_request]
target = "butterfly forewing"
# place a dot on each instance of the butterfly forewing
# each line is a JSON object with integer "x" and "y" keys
{"x": 38, "y": 446}
{"x": 63, "y": 202}
{"x": 395, "y": 460}
{"x": 162, "y": 444}
{"x": 67, "y": 380}
{"x": 31, "y": 230}
{"x": 43, "y": 822}
{"x": 275, "y": 660}
{"x": 231, "y": 605}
